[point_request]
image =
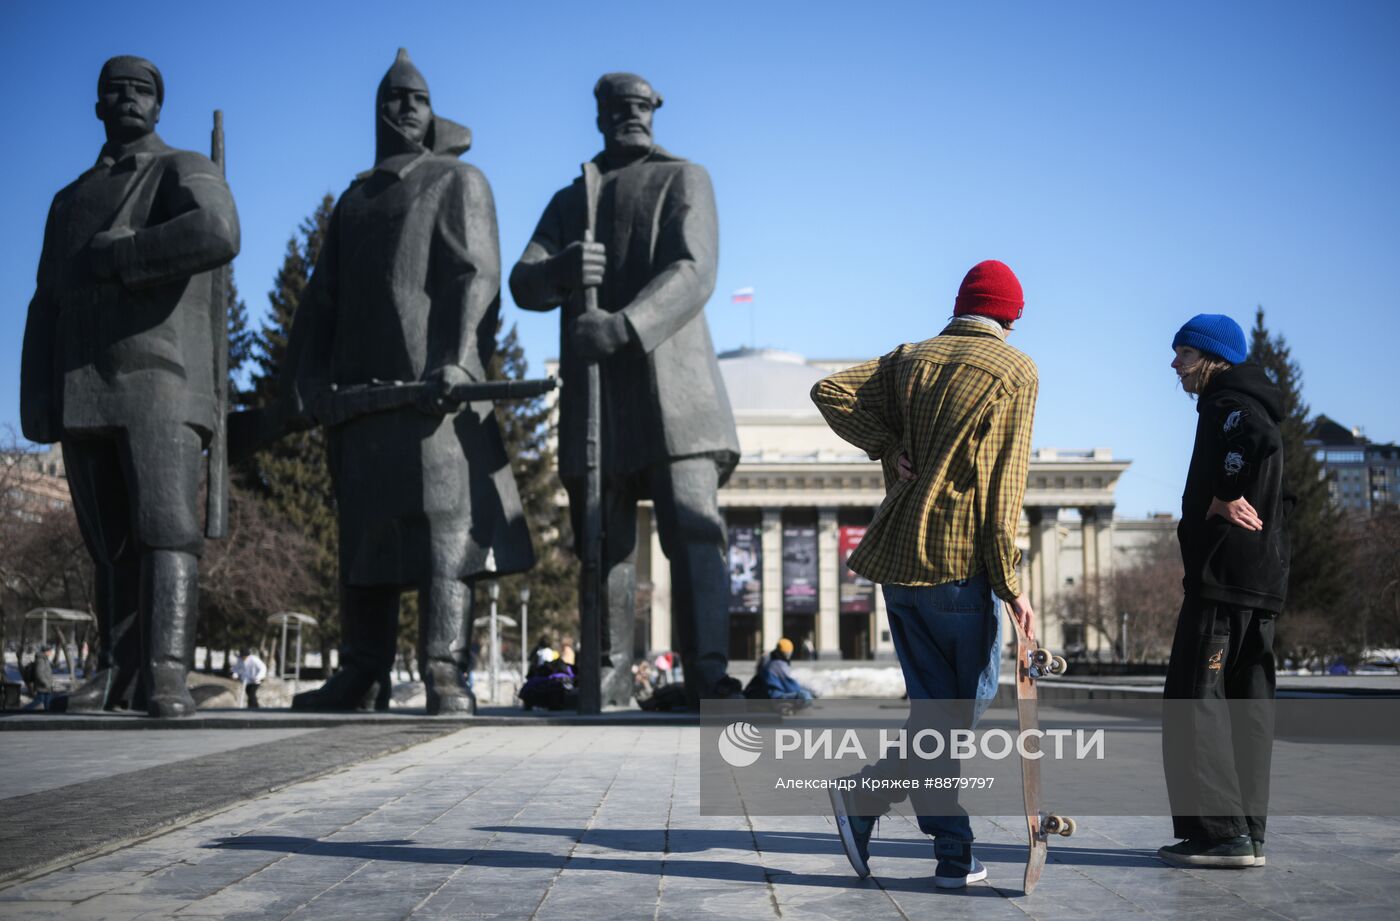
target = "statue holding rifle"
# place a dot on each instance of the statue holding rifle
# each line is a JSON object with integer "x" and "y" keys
{"x": 664, "y": 429}
{"x": 122, "y": 366}
{"x": 407, "y": 290}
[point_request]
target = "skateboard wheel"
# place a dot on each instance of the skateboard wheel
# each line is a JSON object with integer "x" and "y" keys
{"x": 1041, "y": 657}
{"x": 1069, "y": 827}
{"x": 1051, "y": 825}
{"x": 1057, "y": 666}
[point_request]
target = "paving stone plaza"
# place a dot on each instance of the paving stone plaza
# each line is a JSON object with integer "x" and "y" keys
{"x": 502, "y": 820}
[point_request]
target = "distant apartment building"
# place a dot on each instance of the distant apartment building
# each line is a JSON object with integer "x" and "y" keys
{"x": 34, "y": 483}
{"x": 1362, "y": 476}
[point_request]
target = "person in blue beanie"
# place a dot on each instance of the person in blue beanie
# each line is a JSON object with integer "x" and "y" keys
{"x": 1234, "y": 545}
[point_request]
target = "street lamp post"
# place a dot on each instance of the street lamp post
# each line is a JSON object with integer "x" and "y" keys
{"x": 524, "y": 632}
{"x": 495, "y": 660}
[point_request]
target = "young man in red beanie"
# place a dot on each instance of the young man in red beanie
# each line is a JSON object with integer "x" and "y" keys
{"x": 950, "y": 420}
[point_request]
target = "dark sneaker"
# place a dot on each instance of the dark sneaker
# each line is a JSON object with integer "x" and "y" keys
{"x": 1221, "y": 852}
{"x": 1258, "y": 852}
{"x": 956, "y": 865}
{"x": 854, "y": 831}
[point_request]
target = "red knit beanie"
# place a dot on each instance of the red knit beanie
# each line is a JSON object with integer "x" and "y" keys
{"x": 991, "y": 290}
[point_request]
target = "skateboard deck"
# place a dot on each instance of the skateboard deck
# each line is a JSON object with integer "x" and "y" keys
{"x": 1032, "y": 663}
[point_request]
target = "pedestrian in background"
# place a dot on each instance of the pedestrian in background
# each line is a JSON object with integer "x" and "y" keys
{"x": 42, "y": 678}
{"x": 251, "y": 670}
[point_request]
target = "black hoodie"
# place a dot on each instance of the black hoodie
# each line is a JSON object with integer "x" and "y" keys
{"x": 1239, "y": 452}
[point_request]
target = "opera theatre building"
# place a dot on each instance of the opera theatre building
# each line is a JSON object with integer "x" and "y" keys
{"x": 799, "y": 503}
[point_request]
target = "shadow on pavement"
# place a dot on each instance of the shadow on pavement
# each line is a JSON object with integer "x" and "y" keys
{"x": 690, "y": 841}
{"x": 683, "y": 840}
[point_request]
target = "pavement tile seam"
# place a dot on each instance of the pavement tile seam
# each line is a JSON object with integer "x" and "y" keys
{"x": 636, "y": 741}
{"x": 1214, "y": 879}
{"x": 173, "y": 784}
{"x": 666, "y": 838}
{"x": 768, "y": 869}
{"x": 426, "y": 901}
{"x": 328, "y": 781}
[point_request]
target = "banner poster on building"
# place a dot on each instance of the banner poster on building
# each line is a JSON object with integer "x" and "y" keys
{"x": 857, "y": 592}
{"x": 745, "y": 571}
{"x": 799, "y": 569}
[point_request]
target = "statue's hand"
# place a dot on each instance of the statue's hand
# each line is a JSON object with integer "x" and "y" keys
{"x": 438, "y": 400}
{"x": 101, "y": 257}
{"x": 597, "y": 334}
{"x": 579, "y": 265}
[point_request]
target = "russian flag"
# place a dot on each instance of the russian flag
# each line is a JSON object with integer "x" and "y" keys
{"x": 742, "y": 296}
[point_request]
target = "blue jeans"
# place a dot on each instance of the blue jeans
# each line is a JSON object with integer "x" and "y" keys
{"x": 948, "y": 638}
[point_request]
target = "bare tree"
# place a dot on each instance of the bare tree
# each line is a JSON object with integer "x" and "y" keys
{"x": 263, "y": 567}
{"x": 1149, "y": 591}
{"x": 42, "y": 557}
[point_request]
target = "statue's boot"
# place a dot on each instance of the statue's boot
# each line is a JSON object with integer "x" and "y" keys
{"x": 113, "y": 685}
{"x": 368, "y": 624}
{"x": 94, "y": 695}
{"x": 169, "y": 605}
{"x": 443, "y": 605}
{"x": 704, "y": 645}
{"x": 352, "y": 688}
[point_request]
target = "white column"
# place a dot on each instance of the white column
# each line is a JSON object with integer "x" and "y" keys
{"x": 1034, "y": 586}
{"x": 1105, "y": 541}
{"x": 772, "y": 537}
{"x": 828, "y": 585}
{"x": 660, "y": 586}
{"x": 1045, "y": 542}
{"x": 1089, "y": 547}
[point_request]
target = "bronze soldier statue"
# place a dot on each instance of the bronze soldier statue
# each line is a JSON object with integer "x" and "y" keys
{"x": 667, "y": 427}
{"x": 118, "y": 366}
{"x": 407, "y": 288}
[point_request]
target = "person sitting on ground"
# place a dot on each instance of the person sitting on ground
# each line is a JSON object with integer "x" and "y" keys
{"x": 642, "y": 686}
{"x": 542, "y": 652}
{"x": 778, "y": 679}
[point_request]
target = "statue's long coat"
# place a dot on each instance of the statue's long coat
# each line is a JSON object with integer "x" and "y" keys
{"x": 103, "y": 355}
{"x": 663, "y": 396}
{"x": 408, "y": 280}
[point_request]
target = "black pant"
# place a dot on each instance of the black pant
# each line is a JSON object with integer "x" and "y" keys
{"x": 253, "y": 696}
{"x": 1218, "y": 720}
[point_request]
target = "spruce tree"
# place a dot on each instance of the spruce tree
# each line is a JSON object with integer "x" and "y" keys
{"x": 1315, "y": 528}
{"x": 241, "y": 339}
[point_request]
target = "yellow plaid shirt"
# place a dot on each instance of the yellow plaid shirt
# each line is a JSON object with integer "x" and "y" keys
{"x": 961, "y": 405}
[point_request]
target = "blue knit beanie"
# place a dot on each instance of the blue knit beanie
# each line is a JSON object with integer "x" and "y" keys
{"x": 1214, "y": 333}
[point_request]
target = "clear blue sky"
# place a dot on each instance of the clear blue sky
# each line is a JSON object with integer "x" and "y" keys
{"x": 1135, "y": 163}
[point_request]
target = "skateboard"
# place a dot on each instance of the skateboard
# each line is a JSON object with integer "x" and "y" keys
{"x": 1032, "y": 663}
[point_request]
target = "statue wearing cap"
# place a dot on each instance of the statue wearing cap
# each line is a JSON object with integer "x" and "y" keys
{"x": 667, "y": 427}
{"x": 407, "y": 288}
{"x": 118, "y": 366}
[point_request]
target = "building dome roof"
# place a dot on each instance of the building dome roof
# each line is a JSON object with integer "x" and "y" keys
{"x": 769, "y": 381}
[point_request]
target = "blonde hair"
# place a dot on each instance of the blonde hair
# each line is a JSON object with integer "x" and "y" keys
{"x": 1200, "y": 372}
